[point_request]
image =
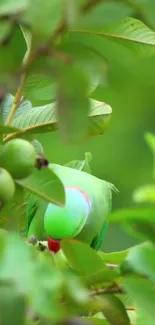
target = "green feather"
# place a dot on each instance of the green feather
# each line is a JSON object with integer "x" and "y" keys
{"x": 100, "y": 195}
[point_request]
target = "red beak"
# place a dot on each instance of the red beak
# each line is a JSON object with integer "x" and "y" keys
{"x": 53, "y": 245}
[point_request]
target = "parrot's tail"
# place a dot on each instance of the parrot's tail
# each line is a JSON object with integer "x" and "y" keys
{"x": 113, "y": 188}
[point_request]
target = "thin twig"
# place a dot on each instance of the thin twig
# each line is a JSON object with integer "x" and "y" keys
{"x": 109, "y": 290}
{"x": 130, "y": 308}
{"x": 112, "y": 266}
{"x": 16, "y": 101}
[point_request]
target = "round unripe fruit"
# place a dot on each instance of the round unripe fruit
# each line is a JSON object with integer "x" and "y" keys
{"x": 7, "y": 186}
{"x": 18, "y": 156}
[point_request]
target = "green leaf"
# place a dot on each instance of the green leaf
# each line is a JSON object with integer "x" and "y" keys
{"x": 44, "y": 18}
{"x": 7, "y": 103}
{"x": 16, "y": 269}
{"x": 76, "y": 291}
{"x": 38, "y": 147}
{"x": 114, "y": 257}
{"x": 141, "y": 259}
{"x": 45, "y": 184}
{"x": 91, "y": 62}
{"x": 81, "y": 257}
{"x": 114, "y": 310}
{"x": 150, "y": 140}
{"x": 104, "y": 276}
{"x": 43, "y": 119}
{"x": 95, "y": 321}
{"x": 72, "y": 11}
{"x": 39, "y": 89}
{"x": 12, "y": 306}
{"x": 8, "y": 7}
{"x": 8, "y": 129}
{"x": 143, "y": 293}
{"x": 12, "y": 216}
{"x": 99, "y": 118}
{"x": 72, "y": 103}
{"x": 145, "y": 193}
{"x": 5, "y": 28}
{"x": 130, "y": 33}
{"x": 104, "y": 14}
{"x": 10, "y": 64}
{"x": 33, "y": 276}
{"x": 82, "y": 165}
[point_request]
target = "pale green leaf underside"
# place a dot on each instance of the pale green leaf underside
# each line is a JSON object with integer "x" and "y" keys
{"x": 43, "y": 119}
{"x": 130, "y": 33}
{"x": 45, "y": 184}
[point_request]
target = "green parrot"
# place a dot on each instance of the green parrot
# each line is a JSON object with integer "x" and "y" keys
{"x": 88, "y": 203}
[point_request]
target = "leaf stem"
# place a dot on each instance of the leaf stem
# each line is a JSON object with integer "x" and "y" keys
{"x": 16, "y": 101}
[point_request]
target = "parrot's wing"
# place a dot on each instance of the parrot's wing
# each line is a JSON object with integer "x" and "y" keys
{"x": 97, "y": 242}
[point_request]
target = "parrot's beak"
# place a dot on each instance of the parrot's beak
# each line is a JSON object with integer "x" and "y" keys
{"x": 53, "y": 245}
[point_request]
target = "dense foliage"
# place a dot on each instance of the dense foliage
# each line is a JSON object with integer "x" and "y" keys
{"x": 54, "y": 67}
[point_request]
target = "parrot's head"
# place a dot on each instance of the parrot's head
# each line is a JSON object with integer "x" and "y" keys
{"x": 67, "y": 221}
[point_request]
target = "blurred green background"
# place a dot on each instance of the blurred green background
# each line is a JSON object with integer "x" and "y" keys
{"x": 121, "y": 155}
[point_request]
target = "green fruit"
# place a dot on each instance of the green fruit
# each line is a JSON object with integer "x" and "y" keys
{"x": 18, "y": 156}
{"x": 7, "y": 186}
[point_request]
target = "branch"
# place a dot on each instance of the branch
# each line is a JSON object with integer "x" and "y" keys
{"x": 114, "y": 289}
